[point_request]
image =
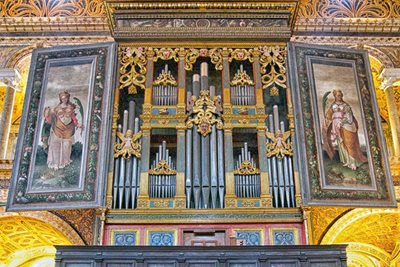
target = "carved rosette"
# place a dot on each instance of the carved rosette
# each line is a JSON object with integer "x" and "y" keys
{"x": 166, "y": 54}
{"x": 246, "y": 168}
{"x": 162, "y": 168}
{"x": 133, "y": 68}
{"x": 206, "y": 114}
{"x": 273, "y": 70}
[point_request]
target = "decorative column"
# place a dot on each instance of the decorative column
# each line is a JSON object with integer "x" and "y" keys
{"x": 180, "y": 198}
{"x": 266, "y": 197}
{"x": 388, "y": 77}
{"x": 143, "y": 198}
{"x": 10, "y": 77}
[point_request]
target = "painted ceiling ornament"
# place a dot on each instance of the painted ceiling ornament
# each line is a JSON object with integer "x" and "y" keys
{"x": 162, "y": 168}
{"x": 279, "y": 145}
{"x": 206, "y": 113}
{"x": 129, "y": 145}
{"x": 246, "y": 168}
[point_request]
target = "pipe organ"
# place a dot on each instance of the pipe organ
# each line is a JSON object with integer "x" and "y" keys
{"x": 224, "y": 133}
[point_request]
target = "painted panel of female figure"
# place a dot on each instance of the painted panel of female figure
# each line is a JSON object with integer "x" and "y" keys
{"x": 344, "y": 145}
{"x": 59, "y": 155}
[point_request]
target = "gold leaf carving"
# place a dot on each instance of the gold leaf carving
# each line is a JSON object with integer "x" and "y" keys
{"x": 273, "y": 69}
{"x": 279, "y": 146}
{"x": 129, "y": 146}
{"x": 241, "y": 55}
{"x": 191, "y": 56}
{"x": 165, "y": 78}
{"x": 166, "y": 54}
{"x": 162, "y": 168}
{"x": 133, "y": 68}
{"x": 216, "y": 58}
{"x": 206, "y": 113}
{"x": 241, "y": 78}
{"x": 246, "y": 168}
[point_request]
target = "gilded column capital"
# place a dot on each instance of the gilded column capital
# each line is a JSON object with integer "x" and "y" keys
{"x": 9, "y": 77}
{"x": 388, "y": 77}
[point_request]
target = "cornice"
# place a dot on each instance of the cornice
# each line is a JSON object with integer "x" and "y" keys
{"x": 346, "y": 40}
{"x": 53, "y": 24}
{"x": 347, "y": 25}
{"x": 52, "y": 40}
{"x": 206, "y": 20}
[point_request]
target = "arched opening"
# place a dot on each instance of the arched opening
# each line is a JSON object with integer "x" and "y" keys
{"x": 29, "y": 241}
{"x": 370, "y": 233}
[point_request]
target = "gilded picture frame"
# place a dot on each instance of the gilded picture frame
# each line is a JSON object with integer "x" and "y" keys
{"x": 341, "y": 152}
{"x": 63, "y": 144}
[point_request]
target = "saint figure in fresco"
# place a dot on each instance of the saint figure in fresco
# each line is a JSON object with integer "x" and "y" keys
{"x": 59, "y": 128}
{"x": 340, "y": 130}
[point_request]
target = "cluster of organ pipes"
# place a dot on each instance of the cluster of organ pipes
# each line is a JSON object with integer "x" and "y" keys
{"x": 242, "y": 89}
{"x": 162, "y": 174}
{"x": 281, "y": 180}
{"x": 247, "y": 177}
{"x": 205, "y": 177}
{"x": 204, "y": 152}
{"x": 165, "y": 89}
{"x": 127, "y": 170}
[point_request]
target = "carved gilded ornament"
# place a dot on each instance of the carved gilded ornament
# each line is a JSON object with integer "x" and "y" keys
{"x": 133, "y": 68}
{"x": 51, "y": 8}
{"x": 349, "y": 9}
{"x": 165, "y": 78}
{"x": 206, "y": 113}
{"x": 129, "y": 145}
{"x": 162, "y": 168}
{"x": 246, "y": 168}
{"x": 273, "y": 70}
{"x": 166, "y": 54}
{"x": 241, "y": 55}
{"x": 241, "y": 78}
{"x": 279, "y": 145}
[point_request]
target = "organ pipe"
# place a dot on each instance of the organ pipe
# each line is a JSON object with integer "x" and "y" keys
{"x": 165, "y": 89}
{"x": 127, "y": 160}
{"x": 247, "y": 176}
{"x": 162, "y": 174}
{"x": 280, "y": 163}
{"x": 205, "y": 184}
{"x": 242, "y": 88}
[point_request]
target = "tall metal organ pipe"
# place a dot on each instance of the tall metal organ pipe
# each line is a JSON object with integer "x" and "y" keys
{"x": 165, "y": 91}
{"x": 126, "y": 175}
{"x": 280, "y": 168}
{"x": 247, "y": 185}
{"x": 205, "y": 179}
{"x": 162, "y": 174}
